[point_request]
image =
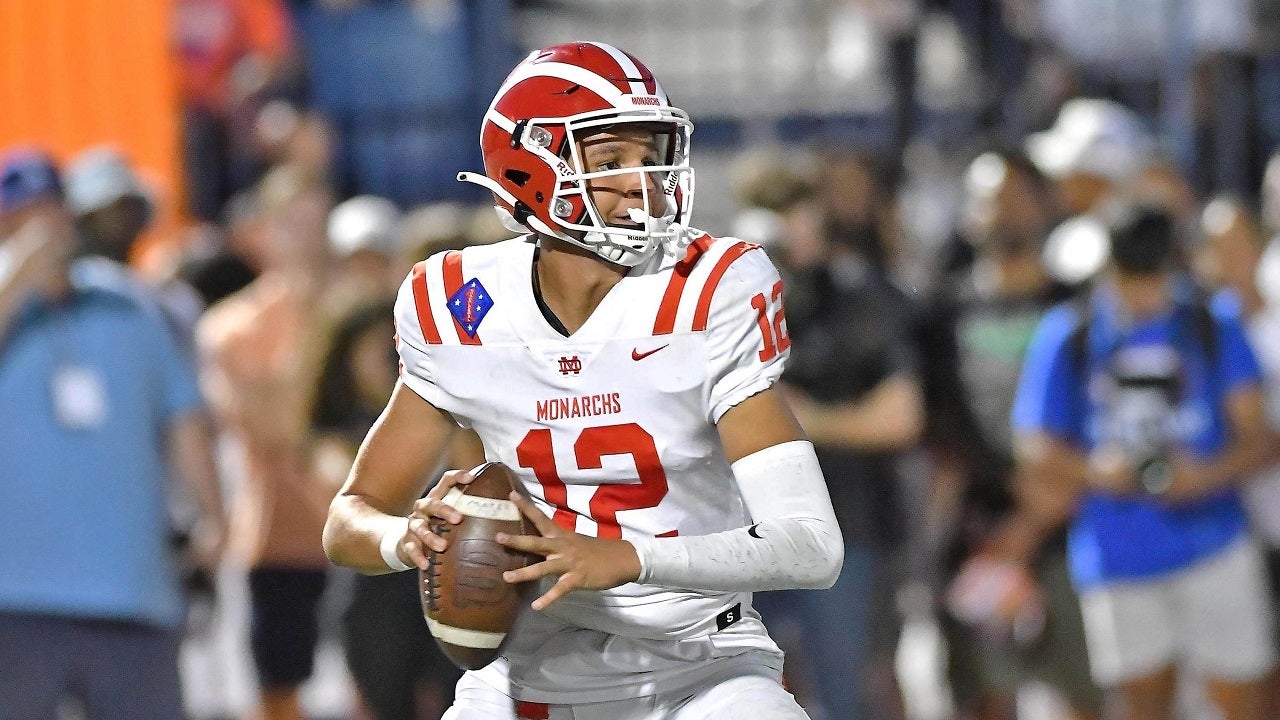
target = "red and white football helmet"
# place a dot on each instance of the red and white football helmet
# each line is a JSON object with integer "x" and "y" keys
{"x": 530, "y": 135}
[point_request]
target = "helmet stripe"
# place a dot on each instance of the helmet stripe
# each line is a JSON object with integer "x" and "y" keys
{"x": 500, "y": 120}
{"x": 629, "y": 69}
{"x": 571, "y": 73}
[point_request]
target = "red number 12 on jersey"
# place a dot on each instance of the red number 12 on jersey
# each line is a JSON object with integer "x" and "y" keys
{"x": 774, "y": 332}
{"x": 536, "y": 453}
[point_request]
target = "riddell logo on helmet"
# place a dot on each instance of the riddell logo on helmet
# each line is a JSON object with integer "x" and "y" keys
{"x": 645, "y": 100}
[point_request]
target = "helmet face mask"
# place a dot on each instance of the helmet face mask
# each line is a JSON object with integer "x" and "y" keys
{"x": 532, "y": 144}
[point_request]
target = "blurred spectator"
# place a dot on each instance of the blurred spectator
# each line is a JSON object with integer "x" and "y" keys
{"x": 288, "y": 135}
{"x": 1231, "y": 259}
{"x": 397, "y": 666}
{"x": 100, "y": 409}
{"x": 1163, "y": 185}
{"x": 110, "y": 204}
{"x": 260, "y": 371}
{"x": 1093, "y": 152}
{"x": 773, "y": 178}
{"x": 852, "y": 382}
{"x": 1095, "y": 147}
{"x": 432, "y": 228}
{"x": 210, "y": 265}
{"x": 366, "y": 240}
{"x": 1137, "y": 413}
{"x": 860, "y": 212}
{"x": 979, "y": 326}
{"x": 112, "y": 209}
{"x": 230, "y": 53}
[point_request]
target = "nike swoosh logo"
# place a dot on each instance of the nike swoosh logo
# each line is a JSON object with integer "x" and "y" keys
{"x": 752, "y": 531}
{"x": 637, "y": 355}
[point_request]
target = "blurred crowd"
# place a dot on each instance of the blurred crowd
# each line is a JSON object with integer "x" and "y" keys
{"x": 248, "y": 357}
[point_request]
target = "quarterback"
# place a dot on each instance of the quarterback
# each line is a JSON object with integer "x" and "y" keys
{"x": 622, "y": 364}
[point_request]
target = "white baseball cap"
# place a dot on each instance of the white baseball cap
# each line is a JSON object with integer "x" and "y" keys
{"x": 99, "y": 177}
{"x": 1093, "y": 136}
{"x": 365, "y": 222}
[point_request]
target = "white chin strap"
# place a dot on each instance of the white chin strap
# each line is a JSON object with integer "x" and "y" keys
{"x": 673, "y": 236}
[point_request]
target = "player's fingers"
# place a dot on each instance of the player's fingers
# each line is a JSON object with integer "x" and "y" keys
{"x": 530, "y": 572}
{"x": 563, "y": 586}
{"x": 430, "y": 506}
{"x": 546, "y": 526}
{"x": 527, "y": 543}
{"x": 421, "y": 530}
{"x": 458, "y": 477}
{"x": 417, "y": 558}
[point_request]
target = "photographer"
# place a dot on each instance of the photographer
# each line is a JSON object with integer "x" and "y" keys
{"x": 1138, "y": 410}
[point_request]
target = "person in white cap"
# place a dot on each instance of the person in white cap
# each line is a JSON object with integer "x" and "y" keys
{"x": 365, "y": 240}
{"x": 111, "y": 205}
{"x": 1094, "y": 149}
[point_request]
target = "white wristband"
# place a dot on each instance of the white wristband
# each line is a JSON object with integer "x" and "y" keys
{"x": 391, "y": 541}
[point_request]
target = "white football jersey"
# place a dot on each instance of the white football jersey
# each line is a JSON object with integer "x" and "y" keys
{"x": 611, "y": 430}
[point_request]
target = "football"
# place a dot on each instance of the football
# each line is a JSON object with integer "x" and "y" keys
{"x": 468, "y": 606}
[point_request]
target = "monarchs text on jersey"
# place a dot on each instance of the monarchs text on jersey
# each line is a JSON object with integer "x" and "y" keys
{"x": 612, "y": 429}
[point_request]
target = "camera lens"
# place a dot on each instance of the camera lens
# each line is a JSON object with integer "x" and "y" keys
{"x": 1155, "y": 476}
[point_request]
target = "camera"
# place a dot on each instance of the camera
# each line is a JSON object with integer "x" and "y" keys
{"x": 1155, "y": 474}
{"x": 1146, "y": 390}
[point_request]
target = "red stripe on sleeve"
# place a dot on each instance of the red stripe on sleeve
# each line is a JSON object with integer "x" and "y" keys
{"x": 703, "y": 310}
{"x": 666, "y": 321}
{"x": 422, "y": 302}
{"x": 453, "y": 283}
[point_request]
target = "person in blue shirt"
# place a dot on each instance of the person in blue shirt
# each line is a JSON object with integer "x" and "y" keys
{"x": 98, "y": 408}
{"x": 1137, "y": 412}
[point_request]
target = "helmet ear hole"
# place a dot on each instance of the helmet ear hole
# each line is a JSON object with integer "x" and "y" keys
{"x": 519, "y": 177}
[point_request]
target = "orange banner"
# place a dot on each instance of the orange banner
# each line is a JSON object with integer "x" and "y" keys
{"x": 80, "y": 73}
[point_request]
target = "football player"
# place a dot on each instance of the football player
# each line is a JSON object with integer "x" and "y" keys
{"x": 623, "y": 365}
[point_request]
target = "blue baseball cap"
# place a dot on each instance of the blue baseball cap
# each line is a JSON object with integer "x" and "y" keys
{"x": 27, "y": 175}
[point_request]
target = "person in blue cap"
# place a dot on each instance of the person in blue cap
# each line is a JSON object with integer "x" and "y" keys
{"x": 98, "y": 409}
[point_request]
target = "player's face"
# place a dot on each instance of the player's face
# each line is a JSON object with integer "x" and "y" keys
{"x": 616, "y": 195}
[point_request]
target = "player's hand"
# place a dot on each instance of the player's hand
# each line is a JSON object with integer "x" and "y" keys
{"x": 1191, "y": 479}
{"x": 209, "y": 543}
{"x": 419, "y": 538}
{"x": 582, "y": 562}
{"x": 1111, "y": 472}
{"x": 38, "y": 254}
